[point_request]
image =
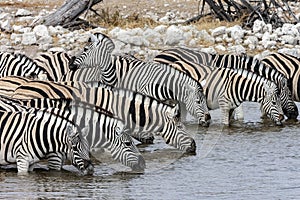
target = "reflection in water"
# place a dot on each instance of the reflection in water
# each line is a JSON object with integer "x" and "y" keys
{"x": 249, "y": 160}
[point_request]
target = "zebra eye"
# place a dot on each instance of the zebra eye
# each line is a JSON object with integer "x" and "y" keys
{"x": 85, "y": 48}
{"x": 127, "y": 143}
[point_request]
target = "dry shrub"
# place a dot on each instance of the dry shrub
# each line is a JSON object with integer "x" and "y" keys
{"x": 109, "y": 19}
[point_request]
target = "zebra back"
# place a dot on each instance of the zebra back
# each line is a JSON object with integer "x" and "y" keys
{"x": 45, "y": 89}
{"x": 56, "y": 64}
{"x": 19, "y": 65}
{"x": 8, "y": 84}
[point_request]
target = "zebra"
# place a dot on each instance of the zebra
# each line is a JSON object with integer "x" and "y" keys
{"x": 106, "y": 131}
{"x": 20, "y": 65}
{"x": 227, "y": 88}
{"x": 56, "y": 64}
{"x": 164, "y": 82}
{"x": 141, "y": 114}
{"x": 198, "y": 65}
{"x": 27, "y": 137}
{"x": 288, "y": 65}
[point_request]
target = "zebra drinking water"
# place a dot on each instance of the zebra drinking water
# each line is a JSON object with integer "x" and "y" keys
{"x": 28, "y": 137}
{"x": 106, "y": 131}
{"x": 142, "y": 115}
{"x": 198, "y": 64}
{"x": 228, "y": 88}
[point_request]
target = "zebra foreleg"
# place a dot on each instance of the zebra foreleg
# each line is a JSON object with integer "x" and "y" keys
{"x": 239, "y": 113}
{"x": 225, "y": 110}
{"x": 22, "y": 164}
{"x": 143, "y": 137}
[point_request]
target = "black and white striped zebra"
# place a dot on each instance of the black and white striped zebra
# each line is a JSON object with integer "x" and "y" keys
{"x": 106, "y": 131}
{"x": 142, "y": 115}
{"x": 197, "y": 64}
{"x": 164, "y": 82}
{"x": 27, "y": 137}
{"x": 56, "y": 64}
{"x": 227, "y": 88}
{"x": 20, "y": 65}
{"x": 289, "y": 66}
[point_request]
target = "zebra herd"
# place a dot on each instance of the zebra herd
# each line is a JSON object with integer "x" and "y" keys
{"x": 57, "y": 107}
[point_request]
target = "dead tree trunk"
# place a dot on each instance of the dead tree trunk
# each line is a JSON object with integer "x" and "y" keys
{"x": 68, "y": 14}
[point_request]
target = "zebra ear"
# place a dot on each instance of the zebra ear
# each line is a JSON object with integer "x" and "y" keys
{"x": 175, "y": 113}
{"x": 85, "y": 131}
{"x": 190, "y": 88}
{"x": 269, "y": 88}
{"x": 70, "y": 131}
{"x": 93, "y": 38}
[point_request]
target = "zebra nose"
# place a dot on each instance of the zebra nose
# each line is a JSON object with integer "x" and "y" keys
{"x": 207, "y": 117}
{"x": 141, "y": 164}
{"x": 72, "y": 65}
{"x": 87, "y": 164}
{"x": 88, "y": 167}
{"x": 281, "y": 117}
{"x": 191, "y": 150}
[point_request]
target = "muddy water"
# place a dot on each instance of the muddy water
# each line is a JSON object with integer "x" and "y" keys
{"x": 252, "y": 159}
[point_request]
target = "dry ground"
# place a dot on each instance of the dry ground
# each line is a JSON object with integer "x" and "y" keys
{"x": 113, "y": 12}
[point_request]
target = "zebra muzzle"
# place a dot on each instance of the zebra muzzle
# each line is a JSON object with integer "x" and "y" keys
{"x": 88, "y": 168}
{"x": 206, "y": 120}
{"x": 140, "y": 165}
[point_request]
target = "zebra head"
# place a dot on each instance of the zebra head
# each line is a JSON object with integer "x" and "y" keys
{"x": 271, "y": 103}
{"x": 175, "y": 133}
{"x": 126, "y": 151}
{"x": 80, "y": 149}
{"x": 97, "y": 54}
{"x": 288, "y": 105}
{"x": 196, "y": 104}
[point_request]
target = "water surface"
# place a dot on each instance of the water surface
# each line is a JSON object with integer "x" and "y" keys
{"x": 252, "y": 159}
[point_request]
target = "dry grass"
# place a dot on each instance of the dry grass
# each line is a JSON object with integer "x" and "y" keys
{"x": 31, "y": 4}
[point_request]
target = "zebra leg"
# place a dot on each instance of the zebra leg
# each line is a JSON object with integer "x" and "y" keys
{"x": 55, "y": 160}
{"x": 22, "y": 164}
{"x": 239, "y": 113}
{"x": 143, "y": 137}
{"x": 225, "y": 110}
